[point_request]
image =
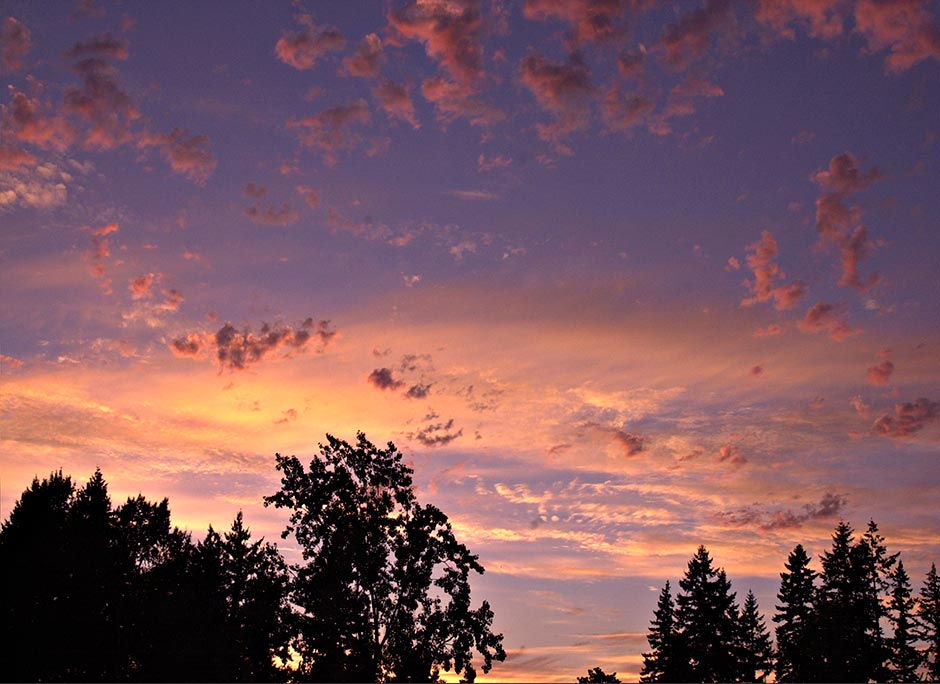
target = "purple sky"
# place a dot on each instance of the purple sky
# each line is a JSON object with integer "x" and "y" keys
{"x": 618, "y": 277}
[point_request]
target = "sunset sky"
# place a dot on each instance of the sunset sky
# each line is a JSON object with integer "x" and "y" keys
{"x": 618, "y": 277}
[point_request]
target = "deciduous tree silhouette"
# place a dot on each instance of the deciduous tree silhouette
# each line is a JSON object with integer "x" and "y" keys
{"x": 384, "y": 591}
{"x": 797, "y": 641}
{"x": 597, "y": 676}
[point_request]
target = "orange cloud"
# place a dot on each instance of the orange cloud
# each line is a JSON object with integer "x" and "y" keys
{"x": 455, "y": 101}
{"x": 22, "y": 121}
{"x": 591, "y": 21}
{"x": 140, "y": 287}
{"x": 100, "y": 101}
{"x": 366, "y": 61}
{"x": 907, "y": 28}
{"x": 396, "y": 102}
{"x": 909, "y": 418}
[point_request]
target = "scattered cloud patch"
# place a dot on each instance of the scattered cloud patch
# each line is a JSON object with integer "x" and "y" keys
{"x": 827, "y": 318}
{"x": 908, "y": 419}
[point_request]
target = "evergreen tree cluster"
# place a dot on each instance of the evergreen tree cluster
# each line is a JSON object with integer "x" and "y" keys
{"x": 855, "y": 620}
{"x": 93, "y": 592}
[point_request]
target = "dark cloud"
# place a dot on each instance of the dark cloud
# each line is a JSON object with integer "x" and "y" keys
{"x": 450, "y": 31}
{"x": 828, "y": 507}
{"x": 301, "y": 49}
{"x": 23, "y": 121}
{"x": 269, "y": 216}
{"x": 102, "y": 104}
{"x": 760, "y": 259}
{"x": 564, "y": 89}
{"x": 104, "y": 45}
{"x": 687, "y": 40}
{"x": 909, "y": 418}
{"x": 256, "y": 191}
{"x": 15, "y": 43}
{"x": 827, "y": 318}
{"x": 330, "y": 132}
{"x": 625, "y": 111}
{"x": 436, "y": 434}
{"x": 185, "y": 153}
{"x": 630, "y": 63}
{"x": 418, "y": 391}
{"x": 821, "y": 18}
{"x": 880, "y": 374}
{"x": 630, "y": 443}
{"x": 591, "y": 20}
{"x": 238, "y": 349}
{"x": 839, "y": 223}
{"x": 384, "y": 379}
{"x": 396, "y": 102}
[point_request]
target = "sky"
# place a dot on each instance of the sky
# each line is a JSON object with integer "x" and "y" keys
{"x": 618, "y": 277}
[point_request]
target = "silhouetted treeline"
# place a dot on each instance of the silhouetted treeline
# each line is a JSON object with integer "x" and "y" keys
{"x": 93, "y": 592}
{"x": 855, "y": 620}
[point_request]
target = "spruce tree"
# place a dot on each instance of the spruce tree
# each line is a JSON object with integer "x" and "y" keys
{"x": 903, "y": 656}
{"x": 755, "y": 652}
{"x": 706, "y": 617}
{"x": 662, "y": 662}
{"x": 928, "y": 611}
{"x": 796, "y": 621}
{"x": 875, "y": 564}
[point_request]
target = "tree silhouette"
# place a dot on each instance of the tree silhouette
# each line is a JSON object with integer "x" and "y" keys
{"x": 384, "y": 591}
{"x": 706, "y": 617}
{"x": 666, "y": 661}
{"x": 928, "y": 612}
{"x": 597, "y": 676}
{"x": 755, "y": 652}
{"x": 903, "y": 656}
{"x": 796, "y": 621}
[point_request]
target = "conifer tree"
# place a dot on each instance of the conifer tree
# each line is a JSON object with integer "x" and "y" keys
{"x": 796, "y": 621}
{"x": 928, "y": 611}
{"x": 875, "y": 564}
{"x": 663, "y": 662}
{"x": 706, "y": 617}
{"x": 903, "y": 656}
{"x": 755, "y": 652}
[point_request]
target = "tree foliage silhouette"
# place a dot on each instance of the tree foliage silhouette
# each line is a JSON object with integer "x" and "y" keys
{"x": 903, "y": 657}
{"x": 928, "y": 612}
{"x": 597, "y": 676}
{"x": 664, "y": 662}
{"x": 384, "y": 591}
{"x": 796, "y": 621}
{"x": 755, "y": 651}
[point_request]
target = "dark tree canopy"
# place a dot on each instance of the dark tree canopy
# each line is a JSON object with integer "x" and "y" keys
{"x": 597, "y": 676}
{"x": 664, "y": 662}
{"x": 796, "y": 621}
{"x": 384, "y": 592}
{"x": 928, "y": 614}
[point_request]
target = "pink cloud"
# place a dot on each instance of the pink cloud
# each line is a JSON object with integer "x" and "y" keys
{"x": 591, "y": 20}
{"x": 23, "y": 122}
{"x": 760, "y": 260}
{"x": 824, "y": 317}
{"x": 770, "y": 331}
{"x": 310, "y": 196}
{"x": 880, "y": 374}
{"x": 15, "y": 43}
{"x": 687, "y": 40}
{"x": 731, "y": 455}
{"x": 623, "y": 112}
{"x": 495, "y": 162}
{"x": 564, "y": 89}
{"x": 99, "y": 253}
{"x": 329, "y": 132}
{"x": 396, "y": 102}
{"x": 907, "y": 28}
{"x": 185, "y": 153}
{"x": 366, "y": 61}
{"x": 450, "y": 31}
{"x": 908, "y": 418}
{"x": 756, "y": 370}
{"x": 822, "y": 18}
{"x": 12, "y": 158}
{"x": 255, "y": 190}
{"x": 301, "y": 49}
{"x": 173, "y": 299}
{"x": 630, "y": 63}
{"x": 838, "y": 222}
{"x": 454, "y": 101}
